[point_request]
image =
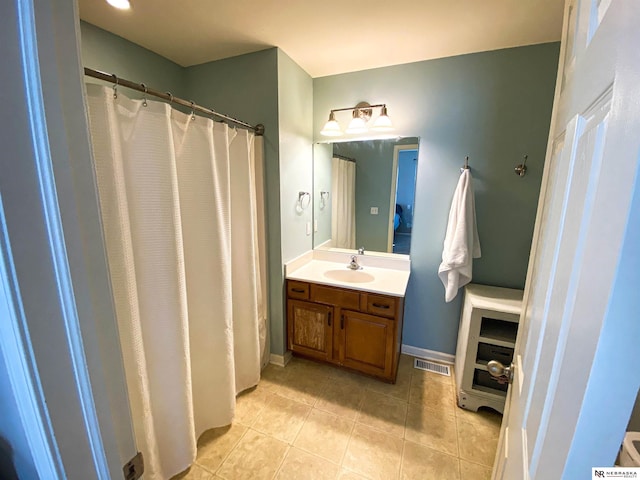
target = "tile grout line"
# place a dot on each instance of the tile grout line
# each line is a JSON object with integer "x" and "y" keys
{"x": 344, "y": 454}
{"x": 284, "y": 457}
{"x": 224, "y": 459}
{"x": 401, "y": 469}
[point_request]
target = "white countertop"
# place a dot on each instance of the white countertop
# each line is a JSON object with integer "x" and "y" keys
{"x": 386, "y": 279}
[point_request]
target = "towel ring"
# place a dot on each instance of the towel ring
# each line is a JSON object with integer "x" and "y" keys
{"x": 301, "y": 203}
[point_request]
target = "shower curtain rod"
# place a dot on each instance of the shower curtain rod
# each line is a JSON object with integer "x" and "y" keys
{"x": 141, "y": 87}
{"x": 342, "y": 157}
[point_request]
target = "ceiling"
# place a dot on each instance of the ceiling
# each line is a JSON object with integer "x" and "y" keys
{"x": 330, "y": 36}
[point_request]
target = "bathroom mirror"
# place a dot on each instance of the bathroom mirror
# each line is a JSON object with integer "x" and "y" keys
{"x": 364, "y": 194}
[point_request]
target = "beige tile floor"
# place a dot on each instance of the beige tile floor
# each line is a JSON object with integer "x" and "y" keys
{"x": 311, "y": 421}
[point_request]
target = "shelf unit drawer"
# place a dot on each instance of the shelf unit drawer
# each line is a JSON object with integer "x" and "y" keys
{"x": 297, "y": 290}
{"x": 488, "y": 352}
{"x": 483, "y": 381}
{"x": 499, "y": 331}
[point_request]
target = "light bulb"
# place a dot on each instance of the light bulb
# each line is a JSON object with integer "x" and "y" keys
{"x": 332, "y": 127}
{"x": 357, "y": 124}
{"x": 383, "y": 122}
{"x": 121, "y": 4}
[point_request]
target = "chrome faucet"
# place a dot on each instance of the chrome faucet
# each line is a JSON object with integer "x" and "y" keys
{"x": 361, "y": 251}
{"x": 354, "y": 263}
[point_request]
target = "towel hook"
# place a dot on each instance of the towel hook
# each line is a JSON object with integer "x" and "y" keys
{"x": 521, "y": 169}
{"x": 466, "y": 164}
{"x": 144, "y": 98}
{"x": 115, "y": 86}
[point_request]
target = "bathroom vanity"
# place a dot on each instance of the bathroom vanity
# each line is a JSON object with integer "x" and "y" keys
{"x": 349, "y": 318}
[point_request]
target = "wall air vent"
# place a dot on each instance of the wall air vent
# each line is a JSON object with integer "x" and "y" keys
{"x": 438, "y": 368}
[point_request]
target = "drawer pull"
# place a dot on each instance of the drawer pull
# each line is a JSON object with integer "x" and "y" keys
{"x": 298, "y": 290}
{"x": 329, "y": 315}
{"x": 379, "y": 305}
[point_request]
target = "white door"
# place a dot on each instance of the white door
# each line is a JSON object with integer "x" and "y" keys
{"x": 573, "y": 387}
{"x": 59, "y": 338}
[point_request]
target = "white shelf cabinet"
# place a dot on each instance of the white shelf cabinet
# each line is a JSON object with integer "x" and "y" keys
{"x": 488, "y": 329}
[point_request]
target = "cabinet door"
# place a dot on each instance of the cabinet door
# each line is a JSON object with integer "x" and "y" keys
{"x": 310, "y": 329}
{"x": 367, "y": 343}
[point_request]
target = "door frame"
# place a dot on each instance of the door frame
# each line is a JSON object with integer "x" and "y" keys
{"x": 62, "y": 344}
{"x": 394, "y": 187}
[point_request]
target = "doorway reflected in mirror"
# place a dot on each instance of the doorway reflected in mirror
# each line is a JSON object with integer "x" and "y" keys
{"x": 406, "y": 162}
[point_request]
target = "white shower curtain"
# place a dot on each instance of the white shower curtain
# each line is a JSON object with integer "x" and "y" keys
{"x": 343, "y": 205}
{"x": 179, "y": 212}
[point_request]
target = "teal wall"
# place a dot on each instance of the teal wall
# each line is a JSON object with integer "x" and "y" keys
{"x": 493, "y": 106}
{"x": 374, "y": 166}
{"x": 322, "y": 153}
{"x": 109, "y": 53}
{"x": 295, "y": 108}
{"x": 295, "y": 113}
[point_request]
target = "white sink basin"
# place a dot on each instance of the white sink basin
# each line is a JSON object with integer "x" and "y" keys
{"x": 349, "y": 276}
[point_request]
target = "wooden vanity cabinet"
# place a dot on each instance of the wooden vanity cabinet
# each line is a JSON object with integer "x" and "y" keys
{"x": 310, "y": 329}
{"x": 357, "y": 330}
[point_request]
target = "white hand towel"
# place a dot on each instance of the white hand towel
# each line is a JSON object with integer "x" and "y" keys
{"x": 461, "y": 243}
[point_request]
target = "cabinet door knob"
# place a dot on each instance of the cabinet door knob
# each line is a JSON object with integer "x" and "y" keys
{"x": 342, "y": 322}
{"x": 329, "y": 318}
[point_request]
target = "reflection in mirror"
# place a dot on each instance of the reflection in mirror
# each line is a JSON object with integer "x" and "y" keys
{"x": 364, "y": 194}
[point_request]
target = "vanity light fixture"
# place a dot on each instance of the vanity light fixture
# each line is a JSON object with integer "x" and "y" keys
{"x": 121, "y": 4}
{"x": 361, "y": 114}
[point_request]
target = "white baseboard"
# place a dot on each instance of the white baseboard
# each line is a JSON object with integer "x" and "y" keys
{"x": 428, "y": 354}
{"x": 280, "y": 360}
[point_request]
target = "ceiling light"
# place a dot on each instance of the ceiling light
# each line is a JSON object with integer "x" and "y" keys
{"x": 121, "y": 4}
{"x": 361, "y": 114}
{"x": 332, "y": 127}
